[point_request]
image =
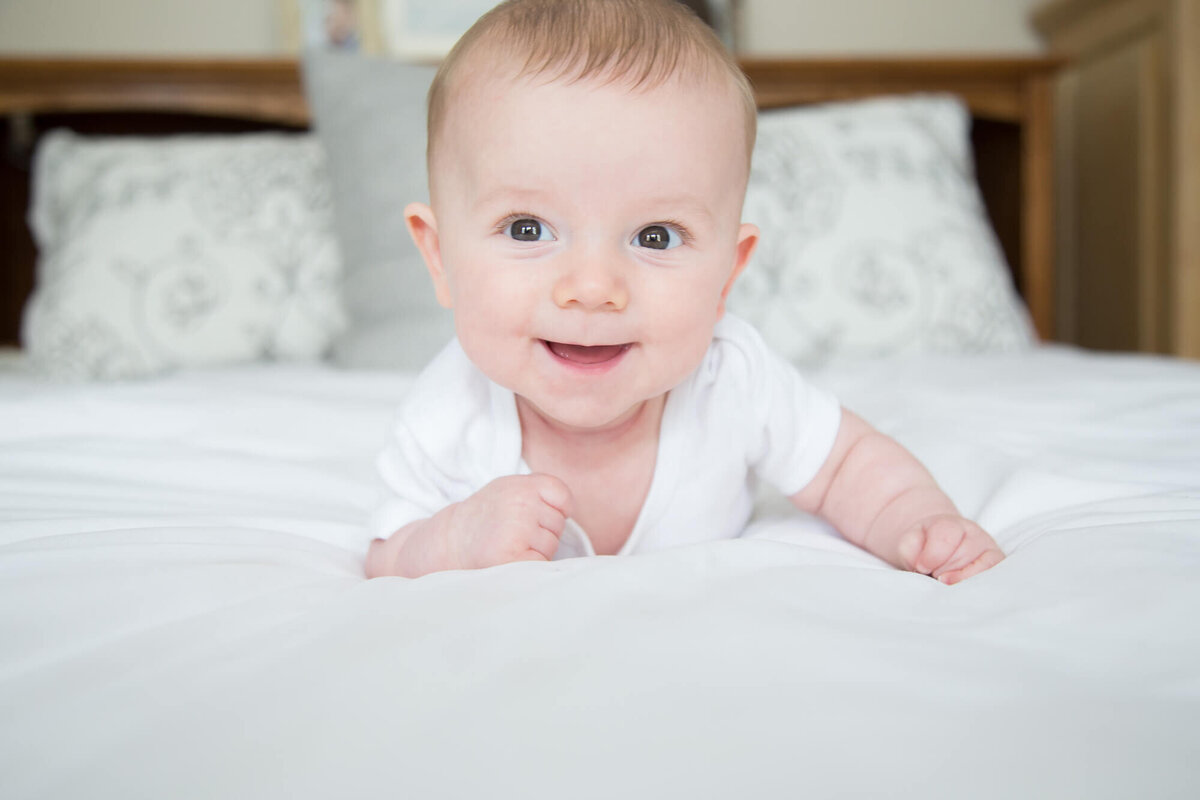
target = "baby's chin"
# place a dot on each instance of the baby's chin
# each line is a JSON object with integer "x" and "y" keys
{"x": 585, "y": 414}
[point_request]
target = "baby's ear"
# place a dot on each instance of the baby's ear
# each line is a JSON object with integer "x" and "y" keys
{"x": 746, "y": 242}
{"x": 422, "y": 226}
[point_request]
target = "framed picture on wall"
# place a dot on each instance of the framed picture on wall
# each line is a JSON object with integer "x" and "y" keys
{"x": 348, "y": 25}
{"x": 425, "y": 30}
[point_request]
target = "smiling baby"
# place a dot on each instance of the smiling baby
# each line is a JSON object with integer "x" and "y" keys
{"x": 588, "y": 160}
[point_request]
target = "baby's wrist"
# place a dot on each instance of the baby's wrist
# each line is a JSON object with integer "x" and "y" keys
{"x": 420, "y": 548}
{"x": 907, "y": 511}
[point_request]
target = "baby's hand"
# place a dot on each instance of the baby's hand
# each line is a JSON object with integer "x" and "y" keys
{"x": 515, "y": 518}
{"x": 949, "y": 548}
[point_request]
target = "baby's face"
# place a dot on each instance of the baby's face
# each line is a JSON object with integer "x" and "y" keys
{"x": 587, "y": 235}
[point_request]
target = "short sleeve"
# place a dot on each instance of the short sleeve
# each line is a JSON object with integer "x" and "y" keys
{"x": 451, "y": 436}
{"x": 791, "y": 422}
{"x": 413, "y": 489}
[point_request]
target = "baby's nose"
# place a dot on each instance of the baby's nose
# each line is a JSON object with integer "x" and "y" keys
{"x": 592, "y": 285}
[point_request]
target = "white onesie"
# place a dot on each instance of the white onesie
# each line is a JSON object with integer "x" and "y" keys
{"x": 743, "y": 412}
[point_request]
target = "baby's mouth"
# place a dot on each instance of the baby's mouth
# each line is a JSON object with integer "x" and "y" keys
{"x": 588, "y": 355}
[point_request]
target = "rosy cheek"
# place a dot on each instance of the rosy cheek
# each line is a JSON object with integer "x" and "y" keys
{"x": 682, "y": 312}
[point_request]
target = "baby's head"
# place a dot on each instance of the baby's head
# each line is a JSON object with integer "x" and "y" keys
{"x": 639, "y": 44}
{"x": 588, "y": 160}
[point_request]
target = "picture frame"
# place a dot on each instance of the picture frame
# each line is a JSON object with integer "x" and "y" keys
{"x": 346, "y": 25}
{"x": 425, "y": 30}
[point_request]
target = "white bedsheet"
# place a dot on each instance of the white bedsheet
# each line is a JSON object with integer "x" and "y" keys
{"x": 182, "y": 612}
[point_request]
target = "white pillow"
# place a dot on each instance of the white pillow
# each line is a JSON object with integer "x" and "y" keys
{"x": 875, "y": 240}
{"x": 159, "y": 253}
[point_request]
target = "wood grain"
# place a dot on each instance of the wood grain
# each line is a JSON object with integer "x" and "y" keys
{"x": 1129, "y": 205}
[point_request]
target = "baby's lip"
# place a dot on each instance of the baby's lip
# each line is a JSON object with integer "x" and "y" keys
{"x": 587, "y": 355}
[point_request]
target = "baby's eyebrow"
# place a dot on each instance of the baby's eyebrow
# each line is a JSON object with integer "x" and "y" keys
{"x": 656, "y": 208}
{"x": 516, "y": 196}
{"x": 684, "y": 206}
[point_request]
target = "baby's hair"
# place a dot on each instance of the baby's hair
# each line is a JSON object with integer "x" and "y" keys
{"x": 640, "y": 42}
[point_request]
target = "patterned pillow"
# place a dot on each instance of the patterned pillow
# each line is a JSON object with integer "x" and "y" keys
{"x": 875, "y": 240}
{"x": 184, "y": 251}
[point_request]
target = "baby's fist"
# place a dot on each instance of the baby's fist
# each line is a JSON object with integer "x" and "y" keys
{"x": 949, "y": 548}
{"x": 515, "y": 518}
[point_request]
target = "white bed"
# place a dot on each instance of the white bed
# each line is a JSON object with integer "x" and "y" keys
{"x": 184, "y": 614}
{"x": 183, "y": 611}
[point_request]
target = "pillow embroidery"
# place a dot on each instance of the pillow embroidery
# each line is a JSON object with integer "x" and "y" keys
{"x": 180, "y": 251}
{"x": 875, "y": 240}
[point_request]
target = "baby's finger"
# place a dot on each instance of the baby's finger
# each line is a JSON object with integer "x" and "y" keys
{"x": 551, "y": 519}
{"x": 974, "y": 541}
{"x": 986, "y": 561}
{"x": 554, "y": 493}
{"x": 942, "y": 537}
{"x": 544, "y": 542}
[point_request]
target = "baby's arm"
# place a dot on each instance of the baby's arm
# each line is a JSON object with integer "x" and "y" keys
{"x": 881, "y": 498}
{"x": 516, "y": 518}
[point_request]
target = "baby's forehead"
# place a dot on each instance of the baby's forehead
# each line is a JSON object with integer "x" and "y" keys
{"x": 481, "y": 88}
{"x": 505, "y": 113}
{"x": 509, "y": 71}
{"x": 472, "y": 89}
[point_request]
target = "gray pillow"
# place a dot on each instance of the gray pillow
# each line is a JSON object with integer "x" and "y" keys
{"x": 369, "y": 115}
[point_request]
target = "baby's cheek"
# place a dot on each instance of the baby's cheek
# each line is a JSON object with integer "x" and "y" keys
{"x": 693, "y": 310}
{"x": 687, "y": 340}
{"x": 486, "y": 302}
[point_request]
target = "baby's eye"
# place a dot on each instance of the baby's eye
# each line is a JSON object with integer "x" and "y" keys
{"x": 528, "y": 230}
{"x": 658, "y": 237}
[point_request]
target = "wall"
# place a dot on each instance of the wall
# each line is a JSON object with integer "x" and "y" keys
{"x": 779, "y": 27}
{"x": 142, "y": 27}
{"x": 770, "y": 27}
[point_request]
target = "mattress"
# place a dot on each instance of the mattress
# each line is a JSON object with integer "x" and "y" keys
{"x": 183, "y": 611}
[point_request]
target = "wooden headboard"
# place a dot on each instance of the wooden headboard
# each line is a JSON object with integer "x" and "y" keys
{"x": 1010, "y": 100}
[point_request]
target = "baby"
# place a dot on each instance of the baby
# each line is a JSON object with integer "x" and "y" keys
{"x": 587, "y": 162}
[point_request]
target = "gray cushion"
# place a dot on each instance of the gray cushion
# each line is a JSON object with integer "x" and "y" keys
{"x": 369, "y": 114}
